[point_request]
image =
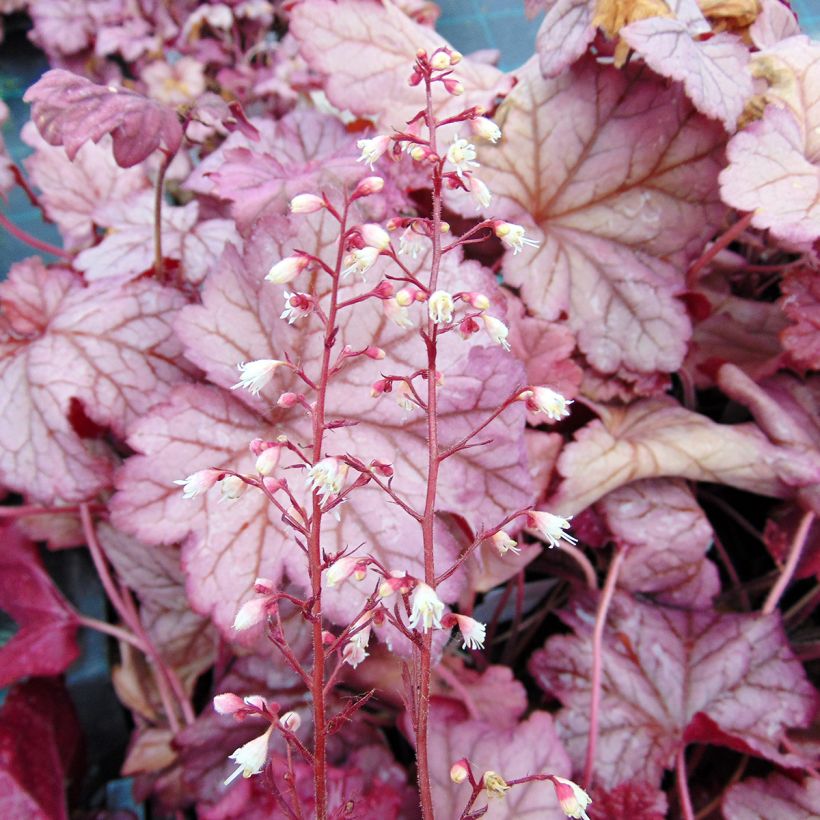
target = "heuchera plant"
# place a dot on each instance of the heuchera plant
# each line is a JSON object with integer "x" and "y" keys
{"x": 445, "y": 441}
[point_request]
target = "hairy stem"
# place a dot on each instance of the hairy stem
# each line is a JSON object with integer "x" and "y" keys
{"x": 597, "y": 662}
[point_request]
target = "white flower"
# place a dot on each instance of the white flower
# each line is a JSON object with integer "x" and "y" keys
{"x": 496, "y": 330}
{"x": 287, "y": 269}
{"x": 546, "y": 401}
{"x": 198, "y": 483}
{"x": 486, "y": 129}
{"x": 306, "y": 204}
{"x": 494, "y": 784}
{"x": 573, "y": 799}
{"x": 255, "y": 375}
{"x": 268, "y": 460}
{"x": 441, "y": 307}
{"x": 355, "y": 650}
{"x": 512, "y": 236}
{"x": 472, "y": 632}
{"x": 326, "y": 477}
{"x": 461, "y": 154}
{"x": 410, "y": 243}
{"x": 551, "y": 527}
{"x": 503, "y": 543}
{"x": 341, "y": 570}
{"x": 480, "y": 193}
{"x": 297, "y": 306}
{"x": 360, "y": 261}
{"x": 372, "y": 149}
{"x": 427, "y": 608}
{"x": 397, "y": 313}
{"x": 251, "y": 757}
{"x": 404, "y": 397}
{"x": 232, "y": 487}
{"x": 251, "y": 613}
{"x": 375, "y": 236}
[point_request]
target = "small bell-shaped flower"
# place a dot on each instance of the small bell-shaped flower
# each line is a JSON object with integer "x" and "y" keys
{"x": 494, "y": 784}
{"x": 503, "y": 543}
{"x": 480, "y": 193}
{"x": 486, "y": 129}
{"x": 327, "y": 477}
{"x": 441, "y": 307}
{"x": 306, "y": 204}
{"x": 255, "y": 375}
{"x": 297, "y": 306}
{"x": 496, "y": 330}
{"x": 546, "y": 401}
{"x": 461, "y": 155}
{"x": 375, "y": 236}
{"x": 287, "y": 269}
{"x": 552, "y": 527}
{"x": 372, "y": 149}
{"x": 368, "y": 186}
{"x": 473, "y": 632}
{"x": 513, "y": 236}
{"x": 198, "y": 483}
{"x": 427, "y": 608}
{"x": 397, "y": 313}
{"x": 251, "y": 757}
{"x": 573, "y": 799}
{"x": 410, "y": 243}
{"x": 360, "y": 260}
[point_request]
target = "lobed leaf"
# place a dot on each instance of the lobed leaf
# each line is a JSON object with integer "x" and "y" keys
{"x": 775, "y": 797}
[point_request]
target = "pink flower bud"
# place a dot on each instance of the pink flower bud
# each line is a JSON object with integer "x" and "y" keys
{"x": 456, "y": 57}
{"x": 268, "y": 460}
{"x": 290, "y": 721}
{"x": 287, "y": 400}
{"x": 415, "y": 79}
{"x": 467, "y": 327}
{"x": 406, "y": 296}
{"x": 486, "y": 129}
{"x": 263, "y": 586}
{"x": 272, "y": 484}
{"x": 382, "y": 468}
{"x": 378, "y": 388}
{"x": 287, "y": 269}
{"x": 453, "y": 86}
{"x": 375, "y": 353}
{"x": 198, "y": 483}
{"x": 341, "y": 570}
{"x": 250, "y": 614}
{"x": 375, "y": 236}
{"x": 368, "y": 186}
{"x": 306, "y": 204}
{"x": 460, "y": 771}
{"x": 327, "y": 637}
{"x": 573, "y": 799}
{"x": 384, "y": 290}
{"x": 477, "y": 300}
{"x": 228, "y": 703}
{"x": 257, "y": 445}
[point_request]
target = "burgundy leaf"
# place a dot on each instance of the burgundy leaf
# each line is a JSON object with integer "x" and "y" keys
{"x": 45, "y": 641}
{"x": 633, "y": 800}
{"x": 774, "y": 798}
{"x": 801, "y": 304}
{"x": 667, "y": 675}
{"x": 666, "y": 535}
{"x": 653, "y": 438}
{"x": 620, "y": 155}
{"x": 69, "y": 110}
{"x": 109, "y": 350}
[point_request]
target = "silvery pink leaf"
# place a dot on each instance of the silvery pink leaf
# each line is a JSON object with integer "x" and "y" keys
{"x": 564, "y": 35}
{"x": 524, "y": 748}
{"x": 127, "y": 250}
{"x": 69, "y": 110}
{"x": 666, "y": 535}
{"x": 72, "y": 190}
{"x": 801, "y": 304}
{"x": 774, "y": 22}
{"x": 776, "y": 796}
{"x": 655, "y": 438}
{"x": 385, "y": 42}
{"x": 712, "y": 71}
{"x": 624, "y": 387}
{"x": 672, "y": 677}
{"x": 229, "y": 545}
{"x": 107, "y": 353}
{"x": 744, "y": 332}
{"x": 620, "y": 156}
{"x": 61, "y": 26}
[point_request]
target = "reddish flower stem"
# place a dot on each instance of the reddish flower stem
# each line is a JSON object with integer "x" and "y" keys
{"x": 723, "y": 241}
{"x": 35, "y": 243}
{"x": 159, "y": 191}
{"x": 800, "y": 538}
{"x": 683, "y": 785}
{"x": 597, "y": 662}
{"x": 314, "y": 545}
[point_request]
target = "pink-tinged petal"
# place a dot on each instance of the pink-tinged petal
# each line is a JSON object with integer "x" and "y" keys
{"x": 801, "y": 304}
{"x": 45, "y": 641}
{"x": 776, "y": 796}
{"x": 564, "y": 35}
{"x": 713, "y": 71}
{"x": 385, "y": 42}
{"x": 73, "y": 190}
{"x": 666, "y": 535}
{"x": 77, "y": 354}
{"x": 672, "y": 677}
{"x": 70, "y": 110}
{"x": 510, "y": 750}
{"x": 620, "y": 155}
{"x": 127, "y": 250}
{"x": 655, "y": 438}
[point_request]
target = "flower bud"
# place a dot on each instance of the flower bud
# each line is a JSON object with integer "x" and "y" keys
{"x": 382, "y": 468}
{"x": 263, "y": 586}
{"x": 456, "y": 57}
{"x": 268, "y": 460}
{"x": 368, "y": 186}
{"x": 440, "y": 61}
{"x": 477, "y": 300}
{"x": 287, "y": 269}
{"x": 460, "y": 771}
{"x": 273, "y": 485}
{"x": 384, "y": 290}
{"x": 375, "y": 353}
{"x": 232, "y": 487}
{"x": 290, "y": 721}
{"x": 486, "y": 129}
{"x": 375, "y": 236}
{"x": 496, "y": 330}
{"x": 228, "y": 703}
{"x": 573, "y": 799}
{"x": 287, "y": 400}
{"x": 306, "y": 204}
{"x": 453, "y": 87}
{"x": 378, "y": 388}
{"x": 467, "y": 327}
{"x": 406, "y": 296}
{"x": 251, "y": 613}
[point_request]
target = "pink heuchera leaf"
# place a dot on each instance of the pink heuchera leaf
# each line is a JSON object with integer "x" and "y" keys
{"x": 108, "y": 351}
{"x": 367, "y": 51}
{"x": 801, "y": 304}
{"x": 633, "y": 800}
{"x": 529, "y": 747}
{"x": 774, "y": 163}
{"x": 774, "y": 22}
{"x": 69, "y": 110}
{"x": 183, "y": 638}
{"x": 202, "y": 427}
{"x": 128, "y": 248}
{"x": 713, "y": 71}
{"x": 620, "y": 158}
{"x": 61, "y": 26}
{"x": 667, "y": 675}
{"x": 40, "y": 739}
{"x": 45, "y": 643}
{"x": 742, "y": 331}
{"x": 666, "y": 535}
{"x": 776, "y": 796}
{"x": 564, "y": 35}
{"x": 72, "y": 190}
{"x": 653, "y": 438}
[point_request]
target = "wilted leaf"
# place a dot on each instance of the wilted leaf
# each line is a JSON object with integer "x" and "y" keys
{"x": 653, "y": 438}
{"x": 69, "y": 110}
{"x": 108, "y": 351}
{"x": 603, "y": 162}
{"x": 672, "y": 677}
{"x": 774, "y": 798}
{"x": 666, "y": 535}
